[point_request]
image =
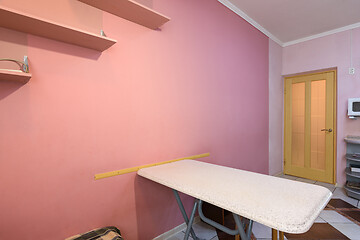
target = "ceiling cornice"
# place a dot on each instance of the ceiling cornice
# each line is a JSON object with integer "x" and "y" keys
{"x": 236, "y": 10}
{"x": 323, "y": 34}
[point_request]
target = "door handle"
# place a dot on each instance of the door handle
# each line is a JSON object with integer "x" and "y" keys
{"x": 327, "y": 130}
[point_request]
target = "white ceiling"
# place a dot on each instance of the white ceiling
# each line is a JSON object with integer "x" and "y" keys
{"x": 291, "y": 21}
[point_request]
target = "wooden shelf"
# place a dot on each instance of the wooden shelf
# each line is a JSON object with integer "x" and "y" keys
{"x": 23, "y": 22}
{"x": 15, "y": 76}
{"x": 130, "y": 10}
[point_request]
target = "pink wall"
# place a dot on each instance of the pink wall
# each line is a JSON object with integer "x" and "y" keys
{"x": 12, "y": 44}
{"x": 327, "y": 52}
{"x": 70, "y": 12}
{"x": 198, "y": 85}
{"x": 275, "y": 109}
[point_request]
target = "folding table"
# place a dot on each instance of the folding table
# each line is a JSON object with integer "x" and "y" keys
{"x": 281, "y": 204}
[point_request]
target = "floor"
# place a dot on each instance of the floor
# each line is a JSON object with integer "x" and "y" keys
{"x": 339, "y": 220}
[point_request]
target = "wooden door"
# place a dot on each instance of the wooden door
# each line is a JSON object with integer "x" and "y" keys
{"x": 309, "y": 141}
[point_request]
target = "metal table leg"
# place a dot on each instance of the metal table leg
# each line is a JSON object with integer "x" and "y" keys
{"x": 183, "y": 212}
{"x": 245, "y": 235}
{"x": 190, "y": 223}
{"x": 240, "y": 226}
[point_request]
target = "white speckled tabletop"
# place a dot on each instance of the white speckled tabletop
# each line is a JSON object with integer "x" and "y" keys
{"x": 282, "y": 204}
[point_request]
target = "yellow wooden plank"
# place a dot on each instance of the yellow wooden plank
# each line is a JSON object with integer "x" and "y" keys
{"x": 287, "y": 126}
{"x": 135, "y": 169}
{"x": 274, "y": 234}
{"x": 330, "y": 141}
{"x": 281, "y": 235}
{"x": 335, "y": 124}
{"x": 307, "y": 123}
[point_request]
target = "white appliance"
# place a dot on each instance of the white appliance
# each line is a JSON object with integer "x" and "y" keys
{"x": 354, "y": 107}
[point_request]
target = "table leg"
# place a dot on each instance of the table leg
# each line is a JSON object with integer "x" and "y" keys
{"x": 189, "y": 225}
{"x": 240, "y": 227}
{"x": 217, "y": 225}
{"x": 249, "y": 229}
{"x": 249, "y": 224}
{"x": 182, "y": 209}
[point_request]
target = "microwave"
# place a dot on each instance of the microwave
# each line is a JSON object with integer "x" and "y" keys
{"x": 354, "y": 107}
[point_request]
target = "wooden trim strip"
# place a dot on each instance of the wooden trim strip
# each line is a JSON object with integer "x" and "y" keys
{"x": 135, "y": 169}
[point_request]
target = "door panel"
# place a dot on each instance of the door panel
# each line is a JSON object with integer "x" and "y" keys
{"x": 298, "y": 124}
{"x": 318, "y": 105}
{"x": 309, "y": 139}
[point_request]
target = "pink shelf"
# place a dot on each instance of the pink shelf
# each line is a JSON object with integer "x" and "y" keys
{"x": 8, "y": 75}
{"x": 131, "y": 11}
{"x": 23, "y": 22}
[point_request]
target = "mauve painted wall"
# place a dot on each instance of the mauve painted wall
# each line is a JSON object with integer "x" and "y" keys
{"x": 327, "y": 52}
{"x": 198, "y": 85}
{"x": 275, "y": 109}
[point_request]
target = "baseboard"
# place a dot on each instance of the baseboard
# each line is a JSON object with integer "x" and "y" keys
{"x": 277, "y": 174}
{"x": 281, "y": 173}
{"x": 175, "y": 230}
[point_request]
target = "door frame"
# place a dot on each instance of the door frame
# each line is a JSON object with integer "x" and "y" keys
{"x": 333, "y": 70}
